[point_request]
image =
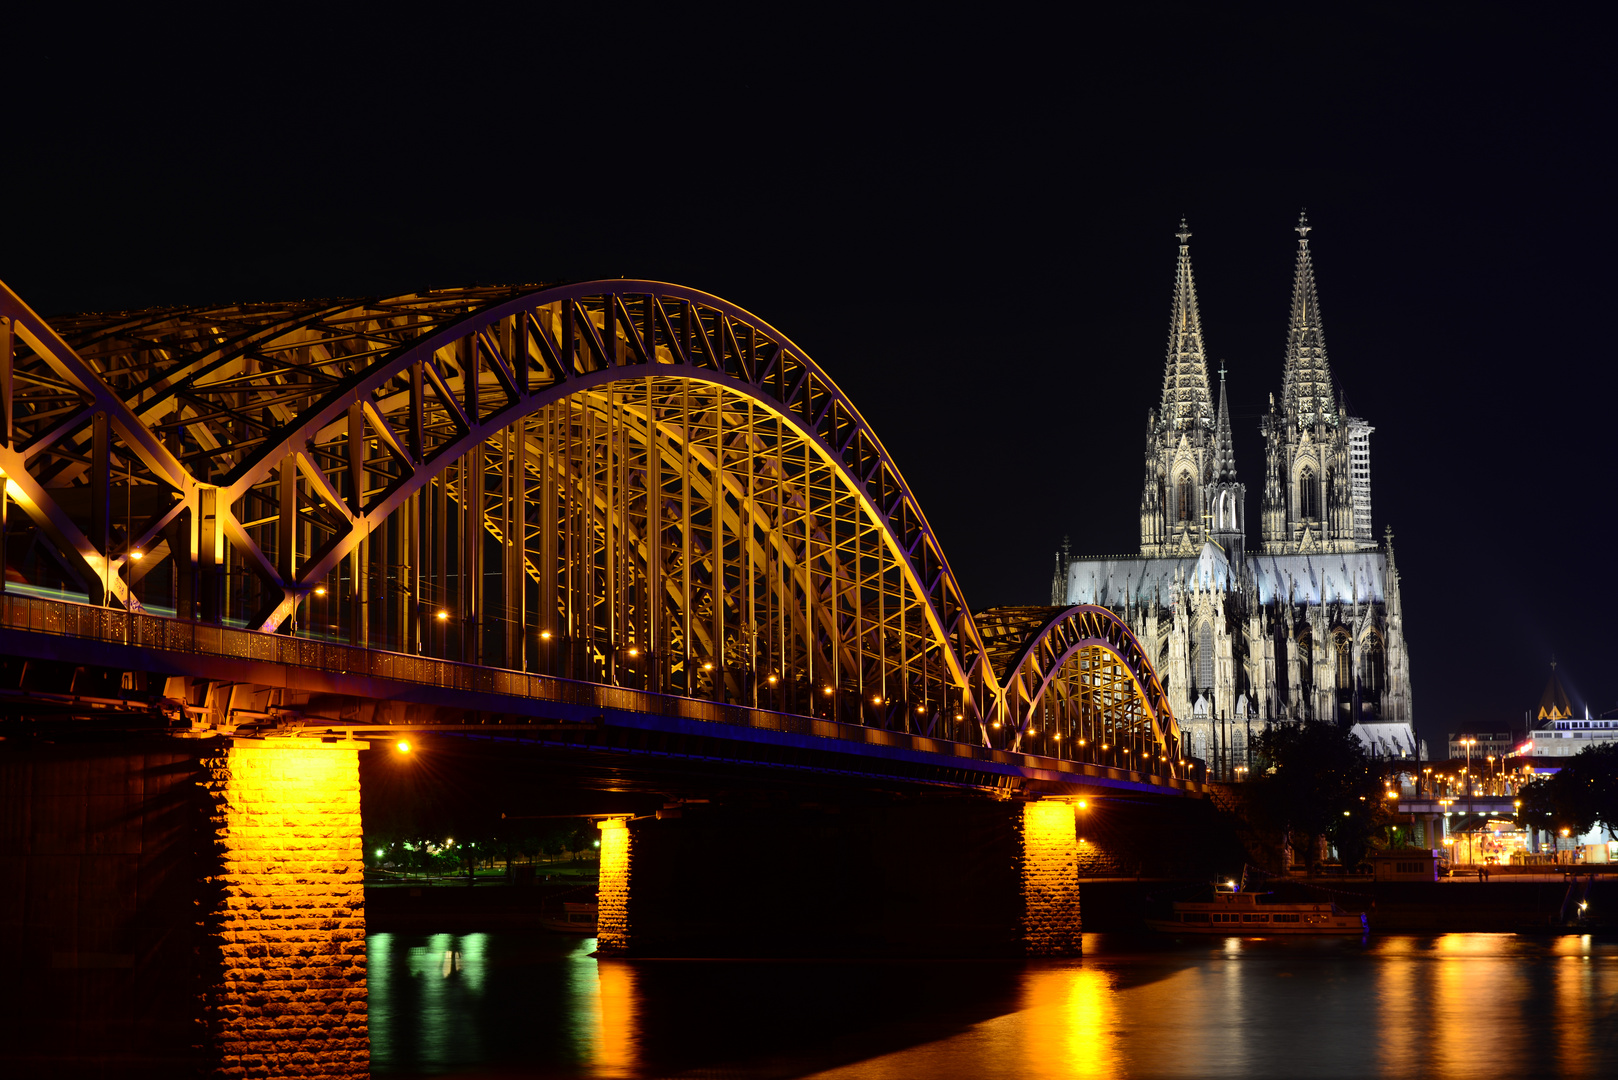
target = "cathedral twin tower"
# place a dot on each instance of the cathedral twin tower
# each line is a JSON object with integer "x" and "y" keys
{"x": 1317, "y": 479}
{"x": 1307, "y": 628}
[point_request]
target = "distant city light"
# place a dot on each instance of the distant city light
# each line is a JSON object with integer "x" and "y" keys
{"x": 379, "y": 853}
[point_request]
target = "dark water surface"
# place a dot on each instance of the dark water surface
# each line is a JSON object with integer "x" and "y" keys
{"x": 1479, "y": 1006}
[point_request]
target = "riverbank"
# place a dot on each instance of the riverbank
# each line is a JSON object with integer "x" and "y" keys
{"x": 1542, "y": 904}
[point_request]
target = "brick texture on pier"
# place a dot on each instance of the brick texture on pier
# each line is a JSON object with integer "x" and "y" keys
{"x": 612, "y": 893}
{"x": 1048, "y": 859}
{"x": 288, "y": 912}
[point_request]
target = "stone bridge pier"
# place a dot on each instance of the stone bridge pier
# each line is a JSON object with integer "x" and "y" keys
{"x": 944, "y": 877}
{"x": 176, "y": 906}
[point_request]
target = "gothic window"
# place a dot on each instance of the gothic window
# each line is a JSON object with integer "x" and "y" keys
{"x": 1184, "y": 487}
{"x": 1372, "y": 674}
{"x": 1308, "y": 495}
{"x": 1205, "y": 657}
{"x": 1306, "y": 662}
{"x": 1345, "y": 663}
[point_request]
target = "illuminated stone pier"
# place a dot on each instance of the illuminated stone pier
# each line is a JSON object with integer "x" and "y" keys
{"x": 1049, "y": 872}
{"x": 288, "y": 998}
{"x": 948, "y": 877}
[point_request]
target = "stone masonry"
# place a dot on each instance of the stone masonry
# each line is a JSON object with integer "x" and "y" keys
{"x": 289, "y": 917}
{"x": 612, "y": 893}
{"x": 1050, "y": 879}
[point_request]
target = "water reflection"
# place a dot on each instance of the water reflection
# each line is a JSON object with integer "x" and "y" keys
{"x": 1445, "y": 1006}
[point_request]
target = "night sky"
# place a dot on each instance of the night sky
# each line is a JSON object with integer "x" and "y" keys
{"x": 966, "y": 218}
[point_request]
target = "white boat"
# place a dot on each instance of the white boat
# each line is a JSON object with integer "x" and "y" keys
{"x": 1233, "y": 911}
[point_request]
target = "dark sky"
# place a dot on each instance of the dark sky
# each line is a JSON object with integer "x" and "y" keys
{"x": 965, "y": 218}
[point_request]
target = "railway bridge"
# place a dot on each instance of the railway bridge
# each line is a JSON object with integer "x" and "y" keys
{"x": 625, "y": 528}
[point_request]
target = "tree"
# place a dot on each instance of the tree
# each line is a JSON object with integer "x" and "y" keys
{"x": 1579, "y": 796}
{"x": 1316, "y": 779}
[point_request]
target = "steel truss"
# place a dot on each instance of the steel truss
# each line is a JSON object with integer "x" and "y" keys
{"x": 627, "y": 482}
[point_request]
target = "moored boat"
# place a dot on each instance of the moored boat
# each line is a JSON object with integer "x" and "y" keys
{"x": 573, "y": 919}
{"x": 1233, "y": 911}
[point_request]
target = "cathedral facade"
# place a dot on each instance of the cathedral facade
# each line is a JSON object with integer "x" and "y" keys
{"x": 1309, "y": 626}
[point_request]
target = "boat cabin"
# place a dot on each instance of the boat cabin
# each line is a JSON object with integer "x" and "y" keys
{"x": 1405, "y": 864}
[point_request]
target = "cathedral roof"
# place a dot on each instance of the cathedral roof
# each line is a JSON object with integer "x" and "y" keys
{"x": 1186, "y": 403}
{"x": 1303, "y": 579}
{"x": 1341, "y": 578}
{"x": 1307, "y": 393}
{"x": 1390, "y": 740}
{"x": 1554, "y": 703}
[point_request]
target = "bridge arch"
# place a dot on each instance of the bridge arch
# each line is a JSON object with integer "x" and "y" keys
{"x": 1078, "y": 673}
{"x": 286, "y": 439}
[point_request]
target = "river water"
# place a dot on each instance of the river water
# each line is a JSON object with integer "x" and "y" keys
{"x": 1457, "y": 1005}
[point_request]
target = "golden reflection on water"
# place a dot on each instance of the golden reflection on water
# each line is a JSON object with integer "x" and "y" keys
{"x": 1065, "y": 1028}
{"x": 618, "y": 1051}
{"x": 1070, "y": 1008}
{"x": 1403, "y": 1039}
{"x": 1456, "y": 1006}
{"x": 1475, "y": 998}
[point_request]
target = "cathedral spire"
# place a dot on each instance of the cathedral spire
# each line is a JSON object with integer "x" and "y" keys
{"x": 1307, "y": 396}
{"x": 1186, "y": 403}
{"x": 1224, "y": 446}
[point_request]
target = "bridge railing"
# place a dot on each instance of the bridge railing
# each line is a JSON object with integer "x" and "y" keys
{"x": 157, "y": 632}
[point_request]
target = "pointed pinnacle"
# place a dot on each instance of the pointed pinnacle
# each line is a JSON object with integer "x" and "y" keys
{"x": 1184, "y": 234}
{"x": 1303, "y": 226}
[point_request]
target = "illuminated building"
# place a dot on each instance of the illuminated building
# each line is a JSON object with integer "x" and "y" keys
{"x": 1308, "y": 628}
{"x": 1560, "y": 732}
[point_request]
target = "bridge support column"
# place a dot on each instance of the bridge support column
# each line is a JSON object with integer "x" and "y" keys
{"x": 946, "y": 877}
{"x": 613, "y": 932}
{"x": 1049, "y": 869}
{"x": 288, "y": 911}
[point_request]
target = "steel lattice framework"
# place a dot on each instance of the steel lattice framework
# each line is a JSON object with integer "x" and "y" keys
{"x": 628, "y": 482}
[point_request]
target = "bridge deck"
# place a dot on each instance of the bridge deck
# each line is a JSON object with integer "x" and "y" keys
{"x": 491, "y": 699}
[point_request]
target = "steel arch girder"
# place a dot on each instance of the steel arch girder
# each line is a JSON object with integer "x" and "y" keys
{"x": 22, "y": 321}
{"x": 333, "y": 553}
{"x": 810, "y": 404}
{"x": 296, "y": 440}
{"x": 1079, "y": 627}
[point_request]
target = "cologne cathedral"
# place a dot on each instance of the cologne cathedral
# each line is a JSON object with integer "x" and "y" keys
{"x": 1308, "y": 627}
